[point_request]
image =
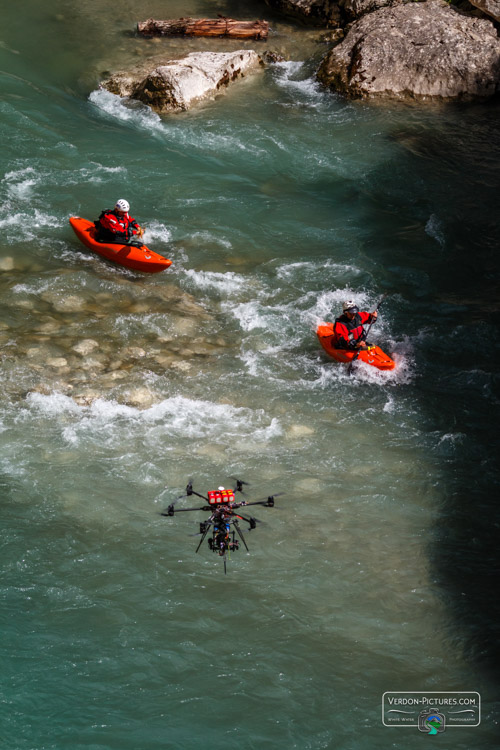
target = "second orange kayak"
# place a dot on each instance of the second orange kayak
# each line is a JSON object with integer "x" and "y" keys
{"x": 373, "y": 356}
{"x": 138, "y": 258}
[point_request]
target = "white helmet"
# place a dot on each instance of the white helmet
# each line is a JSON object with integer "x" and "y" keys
{"x": 122, "y": 205}
{"x": 349, "y": 306}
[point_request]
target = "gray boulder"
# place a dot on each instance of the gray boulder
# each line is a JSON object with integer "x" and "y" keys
{"x": 353, "y": 9}
{"x": 490, "y": 7}
{"x": 416, "y": 51}
{"x": 176, "y": 85}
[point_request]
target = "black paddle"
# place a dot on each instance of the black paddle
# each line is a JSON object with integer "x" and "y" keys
{"x": 353, "y": 360}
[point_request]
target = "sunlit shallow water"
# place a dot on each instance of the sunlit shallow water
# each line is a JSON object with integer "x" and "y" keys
{"x": 275, "y": 202}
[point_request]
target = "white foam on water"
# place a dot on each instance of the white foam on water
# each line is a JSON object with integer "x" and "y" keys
{"x": 103, "y": 168}
{"x": 310, "y": 269}
{"x": 126, "y": 111}
{"x": 328, "y": 305}
{"x": 20, "y": 184}
{"x": 24, "y": 225}
{"x": 251, "y": 361}
{"x": 457, "y": 437}
{"x": 250, "y": 315}
{"x": 19, "y": 174}
{"x": 227, "y": 284}
{"x": 217, "y": 136}
{"x": 52, "y": 405}
{"x": 434, "y": 228}
{"x": 177, "y": 416}
{"x": 22, "y": 191}
{"x": 289, "y": 328}
{"x": 96, "y": 173}
{"x": 210, "y": 238}
{"x": 390, "y": 405}
{"x": 141, "y": 116}
{"x": 36, "y": 289}
{"x": 308, "y": 90}
{"x": 157, "y": 231}
{"x": 157, "y": 323}
{"x": 365, "y": 373}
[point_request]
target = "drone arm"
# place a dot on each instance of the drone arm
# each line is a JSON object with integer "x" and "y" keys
{"x": 269, "y": 503}
{"x": 171, "y": 510}
{"x": 198, "y": 495}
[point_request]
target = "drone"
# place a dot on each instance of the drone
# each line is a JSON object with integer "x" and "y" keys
{"x": 224, "y": 521}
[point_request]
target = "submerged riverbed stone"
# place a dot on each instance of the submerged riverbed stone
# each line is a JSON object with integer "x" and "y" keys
{"x": 299, "y": 431}
{"x": 177, "y": 84}
{"x": 87, "y": 398}
{"x": 7, "y": 264}
{"x": 57, "y": 362}
{"x": 85, "y": 346}
{"x": 140, "y": 397}
{"x": 423, "y": 50}
{"x": 133, "y": 352}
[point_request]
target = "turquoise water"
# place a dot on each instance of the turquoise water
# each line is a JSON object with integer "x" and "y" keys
{"x": 275, "y": 202}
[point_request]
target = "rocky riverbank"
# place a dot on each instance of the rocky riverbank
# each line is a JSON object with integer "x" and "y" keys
{"x": 407, "y": 50}
{"x": 383, "y": 49}
{"x": 416, "y": 51}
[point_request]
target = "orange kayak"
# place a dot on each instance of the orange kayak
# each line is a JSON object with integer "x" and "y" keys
{"x": 139, "y": 258}
{"x": 373, "y": 356}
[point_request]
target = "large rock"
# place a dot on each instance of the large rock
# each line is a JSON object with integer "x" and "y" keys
{"x": 416, "y": 51}
{"x": 490, "y": 7}
{"x": 352, "y": 9}
{"x": 176, "y": 85}
{"x": 319, "y": 12}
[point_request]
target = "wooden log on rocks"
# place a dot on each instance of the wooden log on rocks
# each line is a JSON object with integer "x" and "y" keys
{"x": 205, "y": 27}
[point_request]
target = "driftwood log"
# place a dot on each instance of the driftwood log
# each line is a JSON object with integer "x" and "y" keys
{"x": 205, "y": 27}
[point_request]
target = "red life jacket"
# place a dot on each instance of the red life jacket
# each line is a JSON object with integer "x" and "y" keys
{"x": 121, "y": 226}
{"x": 346, "y": 332}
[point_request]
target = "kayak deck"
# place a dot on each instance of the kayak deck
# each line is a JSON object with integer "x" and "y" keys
{"x": 373, "y": 356}
{"x": 138, "y": 258}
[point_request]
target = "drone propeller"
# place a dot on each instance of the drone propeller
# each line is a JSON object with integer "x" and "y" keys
{"x": 204, "y": 529}
{"x": 252, "y": 522}
{"x": 267, "y": 502}
{"x": 189, "y": 491}
{"x": 239, "y": 485}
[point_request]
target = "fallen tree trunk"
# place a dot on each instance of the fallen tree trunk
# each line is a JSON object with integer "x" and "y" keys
{"x": 205, "y": 27}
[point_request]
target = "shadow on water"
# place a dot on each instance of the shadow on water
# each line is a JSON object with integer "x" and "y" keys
{"x": 437, "y": 237}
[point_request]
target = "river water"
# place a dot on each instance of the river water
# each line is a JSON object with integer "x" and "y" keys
{"x": 376, "y": 570}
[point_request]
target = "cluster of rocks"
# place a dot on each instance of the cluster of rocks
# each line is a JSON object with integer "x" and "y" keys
{"x": 395, "y": 49}
{"x": 391, "y": 49}
{"x": 102, "y": 363}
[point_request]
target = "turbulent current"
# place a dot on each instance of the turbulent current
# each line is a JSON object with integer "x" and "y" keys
{"x": 276, "y": 201}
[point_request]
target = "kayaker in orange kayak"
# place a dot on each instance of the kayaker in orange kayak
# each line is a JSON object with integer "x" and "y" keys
{"x": 348, "y": 331}
{"x": 116, "y": 226}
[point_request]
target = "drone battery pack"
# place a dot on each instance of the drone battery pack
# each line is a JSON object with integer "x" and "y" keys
{"x": 220, "y": 497}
